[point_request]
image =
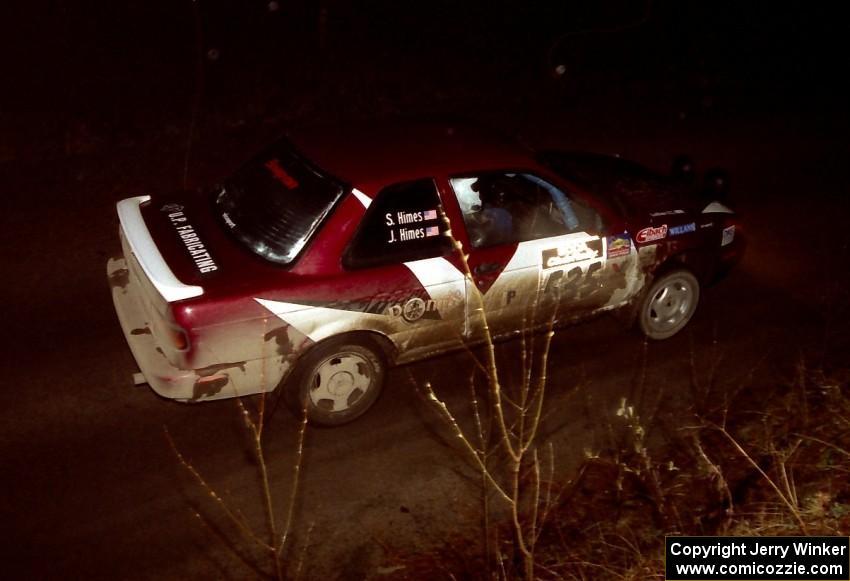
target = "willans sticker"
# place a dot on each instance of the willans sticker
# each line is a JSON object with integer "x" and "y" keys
{"x": 651, "y": 234}
{"x": 682, "y": 229}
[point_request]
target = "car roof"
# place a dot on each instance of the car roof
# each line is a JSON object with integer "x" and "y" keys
{"x": 388, "y": 152}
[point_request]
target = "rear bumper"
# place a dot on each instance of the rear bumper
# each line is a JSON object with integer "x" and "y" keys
{"x": 165, "y": 379}
{"x": 219, "y": 381}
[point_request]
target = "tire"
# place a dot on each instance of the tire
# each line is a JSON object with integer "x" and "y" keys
{"x": 336, "y": 381}
{"x": 668, "y": 305}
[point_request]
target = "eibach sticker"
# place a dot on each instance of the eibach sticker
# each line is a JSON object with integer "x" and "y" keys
{"x": 618, "y": 245}
{"x": 651, "y": 234}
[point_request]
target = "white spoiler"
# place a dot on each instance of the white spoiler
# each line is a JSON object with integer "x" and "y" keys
{"x": 148, "y": 255}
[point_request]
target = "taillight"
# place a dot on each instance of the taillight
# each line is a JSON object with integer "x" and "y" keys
{"x": 171, "y": 334}
{"x": 177, "y": 336}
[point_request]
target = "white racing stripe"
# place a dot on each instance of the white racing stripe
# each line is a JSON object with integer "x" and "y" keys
{"x": 317, "y": 323}
{"x": 443, "y": 282}
{"x": 364, "y": 199}
{"x": 431, "y": 272}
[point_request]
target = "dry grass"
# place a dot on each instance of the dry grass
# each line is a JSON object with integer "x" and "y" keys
{"x": 774, "y": 463}
{"x": 777, "y": 472}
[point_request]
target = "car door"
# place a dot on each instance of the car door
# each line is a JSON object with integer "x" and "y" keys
{"x": 402, "y": 255}
{"x": 535, "y": 253}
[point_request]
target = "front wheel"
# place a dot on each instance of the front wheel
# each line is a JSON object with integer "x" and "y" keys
{"x": 337, "y": 381}
{"x": 669, "y": 304}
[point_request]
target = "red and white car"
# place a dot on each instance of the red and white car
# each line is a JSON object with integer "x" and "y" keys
{"x": 326, "y": 258}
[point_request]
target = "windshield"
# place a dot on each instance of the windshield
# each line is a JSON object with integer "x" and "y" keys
{"x": 626, "y": 185}
{"x": 275, "y": 203}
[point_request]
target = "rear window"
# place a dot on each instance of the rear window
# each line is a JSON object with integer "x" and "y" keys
{"x": 275, "y": 203}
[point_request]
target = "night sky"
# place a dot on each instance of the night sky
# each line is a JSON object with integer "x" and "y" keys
{"x": 123, "y": 66}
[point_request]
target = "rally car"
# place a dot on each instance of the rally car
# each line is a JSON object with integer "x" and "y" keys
{"x": 331, "y": 255}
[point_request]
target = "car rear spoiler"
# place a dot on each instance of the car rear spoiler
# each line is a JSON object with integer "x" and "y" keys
{"x": 148, "y": 255}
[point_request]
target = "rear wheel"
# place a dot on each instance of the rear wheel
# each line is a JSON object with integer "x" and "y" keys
{"x": 669, "y": 304}
{"x": 337, "y": 381}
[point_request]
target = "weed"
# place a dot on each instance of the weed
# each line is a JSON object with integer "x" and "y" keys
{"x": 512, "y": 466}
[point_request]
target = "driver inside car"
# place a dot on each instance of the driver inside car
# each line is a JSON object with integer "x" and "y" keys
{"x": 493, "y": 221}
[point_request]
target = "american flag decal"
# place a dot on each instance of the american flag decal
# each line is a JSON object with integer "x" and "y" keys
{"x": 432, "y": 231}
{"x": 430, "y": 215}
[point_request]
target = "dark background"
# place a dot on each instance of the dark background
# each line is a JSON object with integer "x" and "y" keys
{"x": 104, "y": 100}
{"x": 117, "y": 73}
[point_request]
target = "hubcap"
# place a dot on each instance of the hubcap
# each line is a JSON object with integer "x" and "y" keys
{"x": 671, "y": 305}
{"x": 341, "y": 381}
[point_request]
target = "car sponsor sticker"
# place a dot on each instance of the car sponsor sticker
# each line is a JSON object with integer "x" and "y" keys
{"x": 191, "y": 241}
{"x": 728, "y": 235}
{"x": 413, "y": 310}
{"x": 682, "y": 229}
{"x": 667, "y": 213}
{"x": 618, "y": 245}
{"x": 652, "y": 234}
{"x": 571, "y": 251}
{"x": 707, "y": 225}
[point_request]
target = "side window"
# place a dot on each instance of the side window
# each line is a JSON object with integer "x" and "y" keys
{"x": 503, "y": 208}
{"x": 402, "y": 224}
